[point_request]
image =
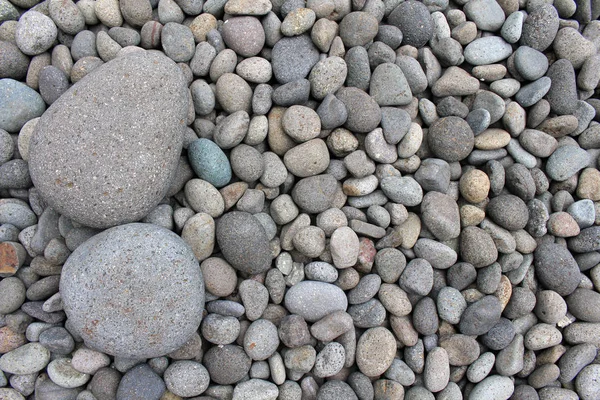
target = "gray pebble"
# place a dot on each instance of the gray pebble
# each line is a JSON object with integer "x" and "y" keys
{"x": 261, "y": 339}
{"x": 565, "y": 162}
{"x": 292, "y": 93}
{"x": 227, "y": 364}
{"x": 302, "y": 299}
{"x": 540, "y": 27}
{"x": 562, "y": 95}
{"x": 248, "y": 253}
{"x": 364, "y": 114}
{"x": 35, "y": 33}
{"x": 293, "y": 58}
{"x": 403, "y": 17}
{"x": 140, "y": 382}
{"x": 480, "y": 316}
{"x": 487, "y": 50}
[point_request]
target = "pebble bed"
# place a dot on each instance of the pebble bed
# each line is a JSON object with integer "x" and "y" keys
{"x": 299, "y": 200}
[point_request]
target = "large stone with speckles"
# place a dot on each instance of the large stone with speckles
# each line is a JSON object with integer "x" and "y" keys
{"x": 133, "y": 291}
{"x": 105, "y": 152}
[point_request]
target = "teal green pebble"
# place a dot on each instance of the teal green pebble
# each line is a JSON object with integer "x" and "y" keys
{"x": 209, "y": 162}
{"x": 19, "y": 104}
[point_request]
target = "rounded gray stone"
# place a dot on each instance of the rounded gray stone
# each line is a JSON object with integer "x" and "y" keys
{"x": 315, "y": 194}
{"x": 244, "y": 35}
{"x": 113, "y": 285}
{"x": 404, "y": 17}
{"x": 481, "y": 316}
{"x": 487, "y": 50}
{"x": 540, "y": 27}
{"x": 14, "y": 63}
{"x": 451, "y": 139}
{"x": 140, "y": 382}
{"x": 243, "y": 242}
{"x": 508, "y": 211}
{"x": 261, "y": 340}
{"x": 35, "y": 33}
{"x": 358, "y": 28}
{"x": 313, "y": 300}
{"x": 226, "y": 364}
{"x": 97, "y": 179}
{"x": 293, "y": 58}
{"x": 53, "y": 83}
{"x": 186, "y": 378}
{"x": 556, "y": 268}
{"x": 19, "y": 103}
{"x": 364, "y": 113}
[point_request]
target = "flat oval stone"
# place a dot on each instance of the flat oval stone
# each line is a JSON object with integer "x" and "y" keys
{"x": 313, "y": 300}
{"x": 105, "y": 152}
{"x": 244, "y": 242}
{"x": 566, "y": 161}
{"x": 19, "y": 104}
{"x": 133, "y": 291}
{"x": 209, "y": 162}
{"x": 487, "y": 50}
{"x": 556, "y": 268}
{"x": 27, "y": 359}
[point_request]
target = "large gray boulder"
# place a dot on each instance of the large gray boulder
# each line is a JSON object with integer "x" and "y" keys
{"x": 134, "y": 291}
{"x": 105, "y": 152}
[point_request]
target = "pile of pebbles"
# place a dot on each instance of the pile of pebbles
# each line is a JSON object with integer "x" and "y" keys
{"x": 299, "y": 200}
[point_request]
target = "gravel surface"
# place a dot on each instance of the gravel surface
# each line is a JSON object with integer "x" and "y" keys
{"x": 299, "y": 199}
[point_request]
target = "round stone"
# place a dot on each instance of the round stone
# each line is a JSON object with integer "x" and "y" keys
{"x": 244, "y": 35}
{"x": 19, "y": 103}
{"x": 261, "y": 340}
{"x": 133, "y": 291}
{"x": 375, "y": 351}
{"x": 227, "y": 364}
{"x": 474, "y": 185}
{"x": 358, "y": 28}
{"x": 35, "y": 33}
{"x": 451, "y": 139}
{"x": 481, "y": 316}
{"x": 209, "y": 162}
{"x": 293, "y": 58}
{"x": 243, "y": 242}
{"x": 105, "y": 152}
{"x": 186, "y": 378}
{"x": 404, "y": 17}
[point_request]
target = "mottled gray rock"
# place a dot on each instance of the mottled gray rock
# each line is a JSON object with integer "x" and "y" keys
{"x": 98, "y": 313}
{"x": 481, "y": 316}
{"x": 293, "y": 58}
{"x": 556, "y": 268}
{"x": 313, "y": 300}
{"x": 141, "y": 382}
{"x": 243, "y": 241}
{"x": 72, "y": 183}
{"x": 403, "y": 17}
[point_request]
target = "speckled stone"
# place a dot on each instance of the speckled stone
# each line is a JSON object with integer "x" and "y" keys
{"x": 244, "y": 242}
{"x": 129, "y": 138}
{"x": 313, "y": 300}
{"x": 113, "y": 285}
{"x": 556, "y": 268}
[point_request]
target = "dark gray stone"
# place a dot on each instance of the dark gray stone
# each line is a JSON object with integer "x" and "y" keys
{"x": 244, "y": 242}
